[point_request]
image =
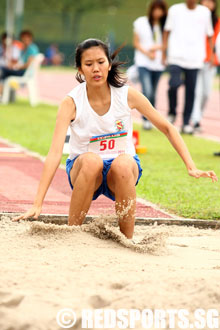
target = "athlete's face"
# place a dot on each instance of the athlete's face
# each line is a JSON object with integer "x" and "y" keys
{"x": 95, "y": 66}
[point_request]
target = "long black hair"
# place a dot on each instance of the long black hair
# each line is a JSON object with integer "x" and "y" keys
{"x": 115, "y": 76}
{"x": 154, "y": 5}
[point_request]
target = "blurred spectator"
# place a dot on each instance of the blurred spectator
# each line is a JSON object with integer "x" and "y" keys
{"x": 207, "y": 73}
{"x": 148, "y": 50}
{"x": 53, "y": 56}
{"x": 217, "y": 50}
{"x": 26, "y": 57}
{"x": 186, "y": 28}
{"x": 9, "y": 54}
{"x": 30, "y": 49}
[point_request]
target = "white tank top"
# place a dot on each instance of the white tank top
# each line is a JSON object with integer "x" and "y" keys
{"x": 108, "y": 135}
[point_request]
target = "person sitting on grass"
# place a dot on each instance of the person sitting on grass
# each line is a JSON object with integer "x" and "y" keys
{"x": 102, "y": 156}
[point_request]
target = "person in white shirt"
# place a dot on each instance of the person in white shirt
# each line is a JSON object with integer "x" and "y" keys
{"x": 206, "y": 74}
{"x": 147, "y": 41}
{"x": 186, "y": 28}
{"x": 217, "y": 51}
{"x": 102, "y": 157}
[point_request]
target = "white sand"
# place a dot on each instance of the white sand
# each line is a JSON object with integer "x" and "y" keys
{"x": 44, "y": 268}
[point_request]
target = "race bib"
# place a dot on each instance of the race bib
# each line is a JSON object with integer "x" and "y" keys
{"x": 112, "y": 144}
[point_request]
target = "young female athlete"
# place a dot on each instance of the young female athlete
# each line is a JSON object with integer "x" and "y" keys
{"x": 102, "y": 156}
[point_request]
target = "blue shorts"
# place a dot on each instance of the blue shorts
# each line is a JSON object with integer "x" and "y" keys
{"x": 103, "y": 189}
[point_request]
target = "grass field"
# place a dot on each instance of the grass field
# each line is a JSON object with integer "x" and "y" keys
{"x": 30, "y": 127}
{"x": 164, "y": 181}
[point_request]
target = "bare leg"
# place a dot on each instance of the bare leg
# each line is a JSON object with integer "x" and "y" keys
{"x": 86, "y": 177}
{"x": 121, "y": 180}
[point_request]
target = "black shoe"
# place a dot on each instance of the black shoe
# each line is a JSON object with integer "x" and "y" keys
{"x": 171, "y": 118}
{"x": 217, "y": 154}
{"x": 197, "y": 128}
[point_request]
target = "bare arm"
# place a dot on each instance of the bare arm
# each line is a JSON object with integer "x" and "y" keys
{"x": 140, "y": 102}
{"x": 65, "y": 114}
{"x": 165, "y": 45}
{"x": 211, "y": 45}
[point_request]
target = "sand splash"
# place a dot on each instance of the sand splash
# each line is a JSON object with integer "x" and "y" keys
{"x": 153, "y": 238}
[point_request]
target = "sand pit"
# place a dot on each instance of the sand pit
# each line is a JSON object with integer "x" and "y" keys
{"x": 45, "y": 268}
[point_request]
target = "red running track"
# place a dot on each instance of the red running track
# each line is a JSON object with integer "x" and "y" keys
{"x": 19, "y": 177}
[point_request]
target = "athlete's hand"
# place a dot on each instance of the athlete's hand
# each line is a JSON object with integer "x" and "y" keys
{"x": 203, "y": 174}
{"x": 34, "y": 212}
